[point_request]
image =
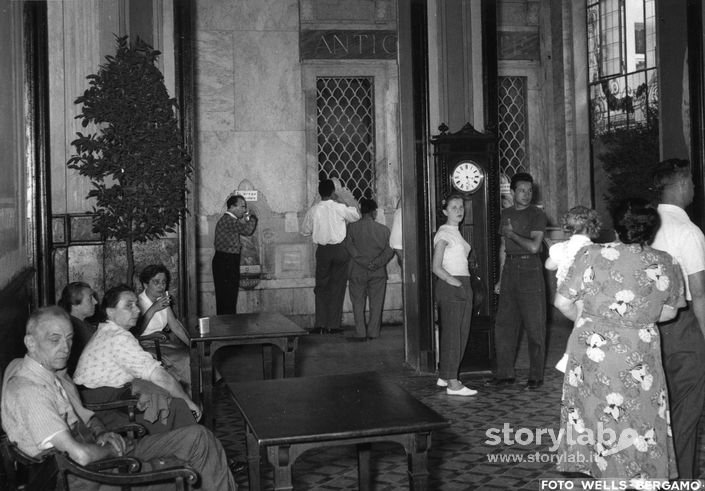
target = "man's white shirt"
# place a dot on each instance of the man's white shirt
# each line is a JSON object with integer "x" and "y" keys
{"x": 682, "y": 239}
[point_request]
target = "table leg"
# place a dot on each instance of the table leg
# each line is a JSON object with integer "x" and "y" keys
{"x": 363, "y": 466}
{"x": 267, "y": 361}
{"x": 290, "y": 358}
{"x": 195, "y": 362}
{"x": 280, "y": 459}
{"x": 417, "y": 457}
{"x": 207, "y": 376}
{"x": 253, "y": 452}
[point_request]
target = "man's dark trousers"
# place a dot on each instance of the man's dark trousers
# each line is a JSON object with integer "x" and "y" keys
{"x": 683, "y": 348}
{"x": 331, "y": 279}
{"x": 522, "y": 302}
{"x": 226, "y": 278}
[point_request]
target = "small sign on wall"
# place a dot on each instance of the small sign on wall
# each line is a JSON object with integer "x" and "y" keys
{"x": 249, "y": 195}
{"x": 250, "y": 269}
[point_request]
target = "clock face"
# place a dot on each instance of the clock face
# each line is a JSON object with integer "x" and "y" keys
{"x": 467, "y": 176}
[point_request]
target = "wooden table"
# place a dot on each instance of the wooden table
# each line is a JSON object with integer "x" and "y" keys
{"x": 290, "y": 416}
{"x": 268, "y": 329}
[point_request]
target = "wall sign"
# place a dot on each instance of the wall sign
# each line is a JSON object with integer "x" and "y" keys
{"x": 249, "y": 195}
{"x": 348, "y": 45}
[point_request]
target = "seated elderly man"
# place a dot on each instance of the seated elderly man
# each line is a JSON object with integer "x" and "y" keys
{"x": 41, "y": 410}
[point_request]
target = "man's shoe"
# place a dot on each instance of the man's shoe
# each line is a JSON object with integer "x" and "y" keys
{"x": 534, "y": 384}
{"x": 333, "y": 331}
{"x": 441, "y": 382}
{"x": 317, "y": 330}
{"x": 500, "y": 382}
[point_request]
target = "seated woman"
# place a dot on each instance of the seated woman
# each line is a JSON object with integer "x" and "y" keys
{"x": 114, "y": 366}
{"x": 79, "y": 300}
{"x": 157, "y": 315}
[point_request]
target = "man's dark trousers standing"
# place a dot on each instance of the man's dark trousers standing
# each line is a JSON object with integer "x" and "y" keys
{"x": 683, "y": 348}
{"x": 226, "y": 278}
{"x": 522, "y": 302}
{"x": 331, "y": 279}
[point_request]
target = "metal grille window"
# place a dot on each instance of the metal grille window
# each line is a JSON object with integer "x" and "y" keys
{"x": 512, "y": 125}
{"x": 346, "y": 132}
{"x": 623, "y": 83}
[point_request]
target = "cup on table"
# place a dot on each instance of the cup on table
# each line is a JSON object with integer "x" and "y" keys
{"x": 204, "y": 325}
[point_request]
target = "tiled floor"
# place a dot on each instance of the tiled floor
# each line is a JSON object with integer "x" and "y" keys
{"x": 460, "y": 456}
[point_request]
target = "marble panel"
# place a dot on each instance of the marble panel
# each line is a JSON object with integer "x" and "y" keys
{"x": 532, "y": 13}
{"x": 216, "y": 120}
{"x": 268, "y": 93}
{"x": 511, "y": 13}
{"x": 248, "y": 15}
{"x": 266, "y": 15}
{"x": 291, "y": 222}
{"x": 522, "y": 45}
{"x": 272, "y": 161}
{"x": 291, "y": 260}
{"x": 340, "y": 10}
{"x": 215, "y": 14}
{"x": 214, "y": 74}
{"x": 206, "y": 303}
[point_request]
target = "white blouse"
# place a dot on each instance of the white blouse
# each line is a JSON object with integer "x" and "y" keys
{"x": 455, "y": 258}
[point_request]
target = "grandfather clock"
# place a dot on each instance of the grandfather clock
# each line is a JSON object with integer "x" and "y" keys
{"x": 465, "y": 162}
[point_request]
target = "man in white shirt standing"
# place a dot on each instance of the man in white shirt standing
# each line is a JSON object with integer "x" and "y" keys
{"x": 326, "y": 223}
{"x": 683, "y": 339}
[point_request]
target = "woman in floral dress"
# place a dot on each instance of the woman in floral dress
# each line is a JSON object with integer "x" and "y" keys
{"x": 614, "y": 415}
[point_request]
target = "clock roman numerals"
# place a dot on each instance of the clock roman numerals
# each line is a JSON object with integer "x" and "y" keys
{"x": 467, "y": 177}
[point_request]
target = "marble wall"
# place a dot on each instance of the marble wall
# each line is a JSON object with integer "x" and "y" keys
{"x": 252, "y": 118}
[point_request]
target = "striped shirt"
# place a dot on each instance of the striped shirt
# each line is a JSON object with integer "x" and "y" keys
{"x": 38, "y": 404}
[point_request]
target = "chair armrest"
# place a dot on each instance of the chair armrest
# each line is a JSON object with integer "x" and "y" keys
{"x": 155, "y": 338}
{"x": 133, "y": 430}
{"x": 130, "y": 404}
{"x": 124, "y": 464}
{"x": 105, "y": 406}
{"x": 180, "y": 475}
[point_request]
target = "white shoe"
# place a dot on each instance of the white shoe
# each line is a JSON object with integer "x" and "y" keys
{"x": 442, "y": 382}
{"x": 464, "y": 391}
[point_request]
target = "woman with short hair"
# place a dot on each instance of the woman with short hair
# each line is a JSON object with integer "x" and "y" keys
{"x": 114, "y": 366}
{"x": 79, "y": 300}
{"x": 155, "y": 303}
{"x": 614, "y": 381}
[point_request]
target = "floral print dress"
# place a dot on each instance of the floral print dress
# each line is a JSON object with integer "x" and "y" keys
{"x": 614, "y": 414}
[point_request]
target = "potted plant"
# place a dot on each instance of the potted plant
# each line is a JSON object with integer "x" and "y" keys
{"x": 135, "y": 158}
